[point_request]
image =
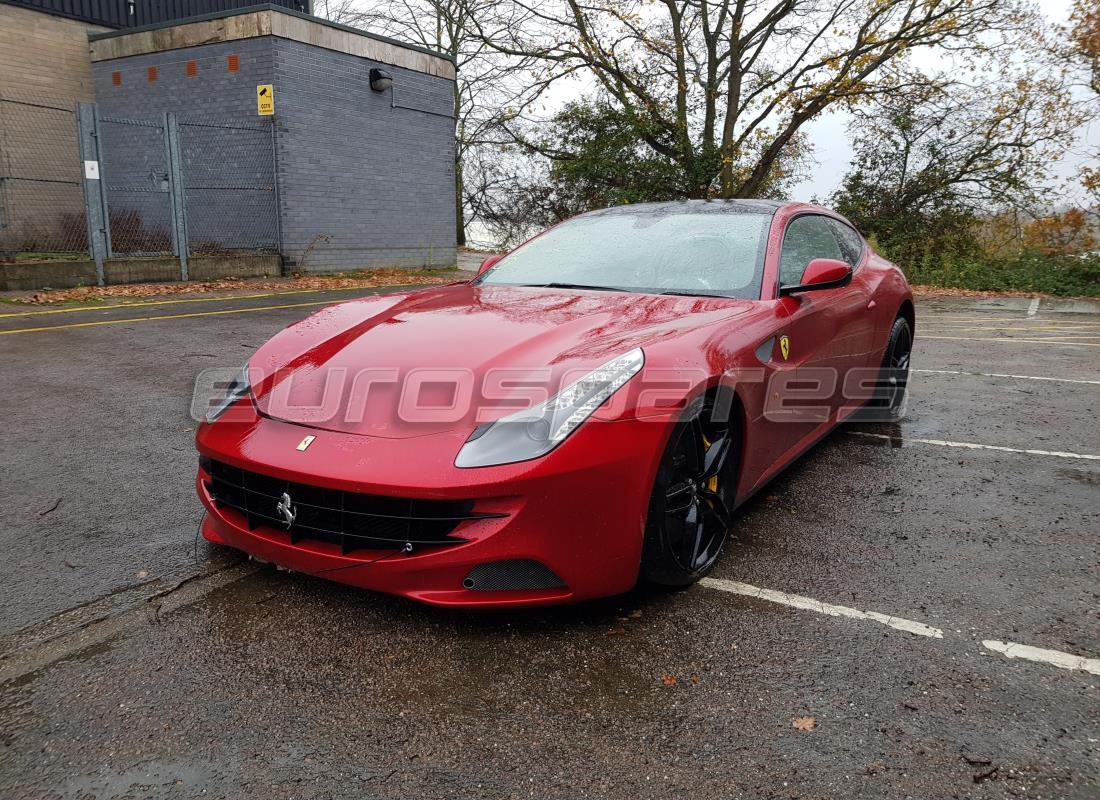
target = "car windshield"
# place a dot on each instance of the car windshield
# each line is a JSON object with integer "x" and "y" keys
{"x": 651, "y": 251}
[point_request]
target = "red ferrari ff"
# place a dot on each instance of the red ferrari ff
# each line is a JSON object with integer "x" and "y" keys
{"x": 589, "y": 410}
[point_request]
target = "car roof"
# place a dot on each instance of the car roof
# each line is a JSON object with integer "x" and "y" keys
{"x": 695, "y": 207}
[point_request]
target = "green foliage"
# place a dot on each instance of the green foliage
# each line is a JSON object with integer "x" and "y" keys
{"x": 599, "y": 158}
{"x": 908, "y": 236}
{"x": 931, "y": 167}
{"x": 1065, "y": 275}
{"x": 600, "y": 155}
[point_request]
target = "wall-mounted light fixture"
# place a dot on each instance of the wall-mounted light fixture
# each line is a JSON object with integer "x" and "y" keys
{"x": 380, "y": 80}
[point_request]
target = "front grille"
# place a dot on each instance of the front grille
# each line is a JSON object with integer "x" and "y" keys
{"x": 351, "y": 520}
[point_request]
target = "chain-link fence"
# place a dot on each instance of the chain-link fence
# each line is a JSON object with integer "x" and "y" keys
{"x": 229, "y": 186}
{"x": 156, "y": 186}
{"x": 41, "y": 200}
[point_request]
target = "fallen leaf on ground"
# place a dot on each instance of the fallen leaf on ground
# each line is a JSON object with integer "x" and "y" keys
{"x": 635, "y": 615}
{"x": 364, "y": 278}
{"x": 51, "y": 508}
{"x": 804, "y": 723}
{"x": 616, "y": 632}
{"x": 669, "y": 680}
{"x": 984, "y": 776}
{"x": 143, "y": 574}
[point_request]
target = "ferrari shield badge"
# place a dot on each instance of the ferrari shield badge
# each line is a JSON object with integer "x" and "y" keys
{"x": 785, "y": 347}
{"x": 306, "y": 442}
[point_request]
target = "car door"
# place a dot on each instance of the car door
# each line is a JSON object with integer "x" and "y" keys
{"x": 857, "y": 324}
{"x": 810, "y": 353}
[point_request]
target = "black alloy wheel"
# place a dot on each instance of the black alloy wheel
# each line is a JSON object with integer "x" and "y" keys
{"x": 693, "y": 495}
{"x": 894, "y": 380}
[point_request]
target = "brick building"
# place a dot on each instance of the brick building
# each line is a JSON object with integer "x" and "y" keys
{"x": 361, "y": 139}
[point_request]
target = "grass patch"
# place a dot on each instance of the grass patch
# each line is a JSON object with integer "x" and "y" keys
{"x": 35, "y": 258}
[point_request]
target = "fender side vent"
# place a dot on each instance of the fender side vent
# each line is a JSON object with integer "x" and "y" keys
{"x": 503, "y": 576}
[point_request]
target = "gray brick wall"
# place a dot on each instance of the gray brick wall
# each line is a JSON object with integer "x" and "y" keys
{"x": 362, "y": 183}
{"x": 213, "y": 92}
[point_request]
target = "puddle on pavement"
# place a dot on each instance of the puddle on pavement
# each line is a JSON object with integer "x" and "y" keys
{"x": 285, "y": 629}
{"x": 140, "y": 780}
{"x": 1081, "y": 476}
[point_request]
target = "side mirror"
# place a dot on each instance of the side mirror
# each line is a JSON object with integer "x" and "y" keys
{"x": 821, "y": 273}
{"x": 489, "y": 262}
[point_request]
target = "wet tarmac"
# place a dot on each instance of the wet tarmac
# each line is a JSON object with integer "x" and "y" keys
{"x": 137, "y": 662}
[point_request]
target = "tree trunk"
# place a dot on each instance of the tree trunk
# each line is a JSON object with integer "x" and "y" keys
{"x": 460, "y": 223}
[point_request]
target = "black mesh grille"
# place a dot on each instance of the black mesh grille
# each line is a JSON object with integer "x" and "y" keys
{"x": 353, "y": 521}
{"x": 502, "y": 576}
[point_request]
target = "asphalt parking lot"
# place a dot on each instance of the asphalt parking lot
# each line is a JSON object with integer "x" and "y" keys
{"x": 866, "y": 633}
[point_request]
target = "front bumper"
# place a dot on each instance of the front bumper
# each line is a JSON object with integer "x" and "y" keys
{"x": 579, "y": 511}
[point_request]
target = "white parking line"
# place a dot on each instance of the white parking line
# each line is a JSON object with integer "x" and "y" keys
{"x": 1055, "y": 657}
{"x": 1033, "y": 307}
{"x": 809, "y": 604}
{"x": 1040, "y": 655}
{"x": 975, "y": 446}
{"x": 1004, "y": 375}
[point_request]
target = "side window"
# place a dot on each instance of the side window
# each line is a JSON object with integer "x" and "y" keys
{"x": 806, "y": 238}
{"x": 851, "y": 243}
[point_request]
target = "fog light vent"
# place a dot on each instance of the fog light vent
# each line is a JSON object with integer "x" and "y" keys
{"x": 503, "y": 576}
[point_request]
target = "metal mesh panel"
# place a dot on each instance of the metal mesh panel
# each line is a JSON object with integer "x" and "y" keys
{"x": 41, "y": 198}
{"x": 502, "y": 576}
{"x": 135, "y": 171}
{"x": 229, "y": 186}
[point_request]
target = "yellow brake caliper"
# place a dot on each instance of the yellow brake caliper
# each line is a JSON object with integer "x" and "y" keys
{"x": 712, "y": 483}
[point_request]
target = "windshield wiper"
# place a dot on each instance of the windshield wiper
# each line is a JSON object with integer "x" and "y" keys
{"x": 576, "y": 286}
{"x": 678, "y": 293}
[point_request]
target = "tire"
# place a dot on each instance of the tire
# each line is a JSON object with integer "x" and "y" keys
{"x": 689, "y": 514}
{"x": 892, "y": 391}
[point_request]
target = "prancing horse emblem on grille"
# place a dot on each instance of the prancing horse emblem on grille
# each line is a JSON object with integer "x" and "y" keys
{"x": 286, "y": 510}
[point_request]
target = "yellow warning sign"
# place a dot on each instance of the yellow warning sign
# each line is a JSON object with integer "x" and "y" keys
{"x": 265, "y": 100}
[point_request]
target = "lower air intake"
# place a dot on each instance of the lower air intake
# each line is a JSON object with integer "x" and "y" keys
{"x": 503, "y": 576}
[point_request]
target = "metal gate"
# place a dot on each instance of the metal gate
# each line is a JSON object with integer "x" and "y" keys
{"x": 172, "y": 186}
{"x": 138, "y": 183}
{"x": 229, "y": 186}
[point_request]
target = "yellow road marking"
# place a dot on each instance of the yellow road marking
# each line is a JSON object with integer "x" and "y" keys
{"x": 163, "y": 316}
{"x": 186, "y": 300}
{"x": 1008, "y": 339}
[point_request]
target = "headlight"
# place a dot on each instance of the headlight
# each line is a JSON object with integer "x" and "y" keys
{"x": 239, "y": 388}
{"x": 537, "y": 430}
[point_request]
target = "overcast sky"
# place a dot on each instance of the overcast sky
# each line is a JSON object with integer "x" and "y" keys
{"x": 833, "y": 153}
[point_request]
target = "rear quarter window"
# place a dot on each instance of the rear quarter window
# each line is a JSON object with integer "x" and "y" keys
{"x": 851, "y": 243}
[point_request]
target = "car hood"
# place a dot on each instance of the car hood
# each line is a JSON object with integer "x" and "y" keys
{"x": 344, "y": 368}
